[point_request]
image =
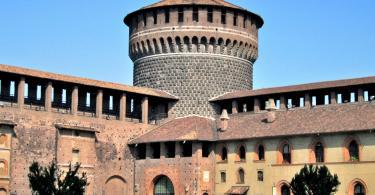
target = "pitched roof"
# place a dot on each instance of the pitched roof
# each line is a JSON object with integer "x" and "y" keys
{"x": 191, "y": 2}
{"x": 349, "y": 117}
{"x": 191, "y": 128}
{"x": 84, "y": 81}
{"x": 296, "y": 88}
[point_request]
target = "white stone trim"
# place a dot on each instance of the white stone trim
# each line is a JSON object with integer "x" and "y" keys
{"x": 193, "y": 54}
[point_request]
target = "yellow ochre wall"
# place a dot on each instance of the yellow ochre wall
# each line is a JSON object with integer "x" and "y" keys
{"x": 275, "y": 173}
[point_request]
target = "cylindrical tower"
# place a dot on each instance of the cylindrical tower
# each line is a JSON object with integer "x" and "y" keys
{"x": 194, "y": 49}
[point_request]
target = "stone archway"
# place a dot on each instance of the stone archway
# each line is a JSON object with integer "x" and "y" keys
{"x": 115, "y": 185}
{"x": 163, "y": 186}
{"x": 3, "y": 191}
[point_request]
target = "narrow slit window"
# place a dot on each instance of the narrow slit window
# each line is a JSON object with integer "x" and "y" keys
{"x": 339, "y": 98}
{"x": 26, "y": 91}
{"x": 63, "y": 99}
{"x": 167, "y": 15}
{"x": 223, "y": 16}
{"x": 195, "y": 14}
{"x": 301, "y": 102}
{"x": 155, "y": 16}
{"x": 366, "y": 96}
{"x": 313, "y": 103}
{"x": 12, "y": 88}
{"x": 326, "y": 100}
{"x": 180, "y": 14}
{"x": 38, "y": 92}
{"x": 353, "y": 97}
{"x": 88, "y": 99}
{"x": 210, "y": 15}
{"x": 110, "y": 102}
{"x": 144, "y": 19}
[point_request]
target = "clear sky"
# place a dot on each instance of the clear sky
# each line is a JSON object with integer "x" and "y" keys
{"x": 302, "y": 40}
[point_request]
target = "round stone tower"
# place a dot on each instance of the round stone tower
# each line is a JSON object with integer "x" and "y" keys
{"x": 193, "y": 49}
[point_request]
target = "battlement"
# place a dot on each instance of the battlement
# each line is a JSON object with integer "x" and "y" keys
{"x": 42, "y": 91}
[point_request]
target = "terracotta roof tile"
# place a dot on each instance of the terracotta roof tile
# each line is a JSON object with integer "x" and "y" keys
{"x": 301, "y": 121}
{"x": 84, "y": 81}
{"x": 296, "y": 88}
{"x": 181, "y": 129}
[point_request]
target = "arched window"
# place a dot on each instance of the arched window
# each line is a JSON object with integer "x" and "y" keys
{"x": 163, "y": 186}
{"x": 242, "y": 153}
{"x": 285, "y": 190}
{"x": 319, "y": 152}
{"x": 359, "y": 189}
{"x": 224, "y": 154}
{"x": 353, "y": 151}
{"x": 286, "y": 154}
{"x": 241, "y": 176}
{"x": 261, "y": 152}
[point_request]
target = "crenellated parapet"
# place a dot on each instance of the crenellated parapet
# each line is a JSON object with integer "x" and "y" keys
{"x": 241, "y": 48}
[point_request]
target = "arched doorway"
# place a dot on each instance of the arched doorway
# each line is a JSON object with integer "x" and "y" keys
{"x": 163, "y": 186}
{"x": 115, "y": 185}
{"x": 3, "y": 191}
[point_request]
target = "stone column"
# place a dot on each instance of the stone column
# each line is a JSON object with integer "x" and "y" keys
{"x": 145, "y": 110}
{"x": 122, "y": 114}
{"x": 333, "y": 98}
{"x": 234, "y": 107}
{"x": 163, "y": 150}
{"x": 148, "y": 151}
{"x": 361, "y": 97}
{"x": 48, "y": 97}
{"x": 99, "y": 104}
{"x": 307, "y": 101}
{"x": 256, "y": 105}
{"x": 178, "y": 149}
{"x": 74, "y": 106}
{"x": 197, "y": 149}
{"x": 282, "y": 103}
{"x": 21, "y": 93}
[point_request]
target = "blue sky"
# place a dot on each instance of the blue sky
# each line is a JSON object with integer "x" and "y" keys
{"x": 301, "y": 41}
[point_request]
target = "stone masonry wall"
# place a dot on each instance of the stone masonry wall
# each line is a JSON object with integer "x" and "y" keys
{"x": 194, "y": 78}
{"x": 36, "y": 137}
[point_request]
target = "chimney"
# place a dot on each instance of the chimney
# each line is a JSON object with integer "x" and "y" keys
{"x": 271, "y": 108}
{"x": 224, "y": 118}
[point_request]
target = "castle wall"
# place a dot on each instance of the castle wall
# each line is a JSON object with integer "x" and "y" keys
{"x": 104, "y": 153}
{"x": 194, "y": 78}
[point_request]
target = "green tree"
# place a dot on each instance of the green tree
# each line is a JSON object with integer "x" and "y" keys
{"x": 314, "y": 180}
{"x": 50, "y": 180}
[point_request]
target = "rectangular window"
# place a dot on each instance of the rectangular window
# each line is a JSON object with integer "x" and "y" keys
{"x": 144, "y": 20}
{"x": 195, "y": 14}
{"x": 155, "y": 16}
{"x": 167, "y": 15}
{"x": 180, "y": 14}
{"x": 75, "y": 156}
{"x": 210, "y": 15}
{"x": 260, "y": 175}
{"x": 301, "y": 102}
{"x": 235, "y": 17}
{"x": 223, "y": 16}
{"x": 223, "y": 177}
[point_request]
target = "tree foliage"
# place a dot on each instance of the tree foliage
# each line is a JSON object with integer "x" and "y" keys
{"x": 314, "y": 180}
{"x": 50, "y": 180}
